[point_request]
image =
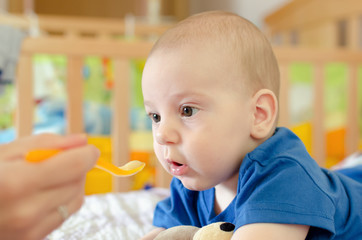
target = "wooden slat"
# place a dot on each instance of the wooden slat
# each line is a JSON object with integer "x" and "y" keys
{"x": 317, "y": 55}
{"x": 18, "y": 21}
{"x": 120, "y": 120}
{"x": 85, "y": 47}
{"x": 74, "y": 110}
{"x": 353, "y": 32}
{"x": 352, "y": 133}
{"x": 25, "y": 99}
{"x": 318, "y": 129}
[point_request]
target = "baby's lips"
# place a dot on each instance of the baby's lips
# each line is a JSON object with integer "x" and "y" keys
{"x": 177, "y": 169}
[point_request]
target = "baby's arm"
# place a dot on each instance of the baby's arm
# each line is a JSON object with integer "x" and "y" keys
{"x": 151, "y": 235}
{"x": 271, "y": 231}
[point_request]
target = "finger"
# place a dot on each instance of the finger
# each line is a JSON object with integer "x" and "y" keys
{"x": 70, "y": 165}
{"x": 19, "y": 178}
{"x": 16, "y": 180}
{"x": 49, "y": 199}
{"x": 54, "y": 220}
{"x": 44, "y": 223}
{"x": 18, "y": 148}
{"x": 23, "y": 213}
{"x": 64, "y": 167}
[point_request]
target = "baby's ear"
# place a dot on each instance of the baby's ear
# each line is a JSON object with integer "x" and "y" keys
{"x": 265, "y": 106}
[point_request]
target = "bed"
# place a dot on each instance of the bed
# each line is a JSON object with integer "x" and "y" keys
{"x": 112, "y": 216}
{"x": 126, "y": 214}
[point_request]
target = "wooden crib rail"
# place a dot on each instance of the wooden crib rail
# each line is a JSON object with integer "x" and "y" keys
{"x": 75, "y": 50}
{"x": 319, "y": 58}
{"x": 75, "y": 26}
{"x": 101, "y": 27}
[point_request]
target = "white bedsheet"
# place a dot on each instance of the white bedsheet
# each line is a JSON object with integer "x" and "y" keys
{"x": 112, "y": 216}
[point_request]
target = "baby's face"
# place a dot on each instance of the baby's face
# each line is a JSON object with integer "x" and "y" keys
{"x": 201, "y": 121}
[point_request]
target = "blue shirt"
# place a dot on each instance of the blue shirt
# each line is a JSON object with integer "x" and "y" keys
{"x": 278, "y": 183}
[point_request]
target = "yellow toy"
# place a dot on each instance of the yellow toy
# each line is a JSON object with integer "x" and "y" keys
{"x": 214, "y": 231}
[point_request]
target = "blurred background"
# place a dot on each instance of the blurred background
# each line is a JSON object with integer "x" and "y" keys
{"x": 317, "y": 43}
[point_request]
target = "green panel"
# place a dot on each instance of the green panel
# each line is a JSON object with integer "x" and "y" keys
{"x": 137, "y": 66}
{"x": 7, "y": 106}
{"x": 98, "y": 79}
{"x": 301, "y": 92}
{"x": 49, "y": 72}
{"x": 301, "y": 72}
{"x": 335, "y": 95}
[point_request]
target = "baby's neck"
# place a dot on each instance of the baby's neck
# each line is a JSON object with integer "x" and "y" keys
{"x": 225, "y": 194}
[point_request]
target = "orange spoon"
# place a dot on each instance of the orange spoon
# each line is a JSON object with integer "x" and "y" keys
{"x": 128, "y": 169}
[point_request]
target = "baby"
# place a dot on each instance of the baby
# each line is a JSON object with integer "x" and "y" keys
{"x": 210, "y": 86}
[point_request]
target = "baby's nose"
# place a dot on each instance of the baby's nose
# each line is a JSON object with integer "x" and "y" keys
{"x": 166, "y": 134}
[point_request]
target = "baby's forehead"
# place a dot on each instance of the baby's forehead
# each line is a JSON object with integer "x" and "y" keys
{"x": 203, "y": 52}
{"x": 231, "y": 41}
{"x": 200, "y": 62}
{"x": 216, "y": 49}
{"x": 209, "y": 56}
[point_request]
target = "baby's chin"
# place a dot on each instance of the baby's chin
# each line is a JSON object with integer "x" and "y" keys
{"x": 194, "y": 184}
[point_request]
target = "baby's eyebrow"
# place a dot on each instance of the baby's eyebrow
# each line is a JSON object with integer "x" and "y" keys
{"x": 183, "y": 95}
{"x": 148, "y": 108}
{"x": 147, "y": 103}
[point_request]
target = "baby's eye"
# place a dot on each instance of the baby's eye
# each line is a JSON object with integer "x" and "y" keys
{"x": 155, "y": 117}
{"x": 188, "y": 111}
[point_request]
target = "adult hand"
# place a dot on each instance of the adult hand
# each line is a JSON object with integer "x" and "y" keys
{"x": 31, "y": 193}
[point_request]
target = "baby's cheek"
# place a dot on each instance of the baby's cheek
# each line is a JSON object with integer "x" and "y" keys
{"x": 204, "y": 155}
{"x": 158, "y": 151}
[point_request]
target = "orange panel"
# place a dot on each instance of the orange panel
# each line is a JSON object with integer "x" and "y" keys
{"x": 335, "y": 145}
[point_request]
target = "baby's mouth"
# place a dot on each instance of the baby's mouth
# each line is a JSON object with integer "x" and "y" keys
{"x": 177, "y": 164}
{"x": 177, "y": 168}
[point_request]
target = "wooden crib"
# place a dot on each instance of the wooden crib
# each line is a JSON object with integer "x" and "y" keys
{"x": 318, "y": 58}
{"x": 75, "y": 50}
{"x": 76, "y": 38}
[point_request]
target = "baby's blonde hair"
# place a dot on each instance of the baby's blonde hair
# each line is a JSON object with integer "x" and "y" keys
{"x": 250, "y": 51}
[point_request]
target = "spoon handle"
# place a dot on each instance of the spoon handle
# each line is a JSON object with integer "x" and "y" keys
{"x": 129, "y": 169}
